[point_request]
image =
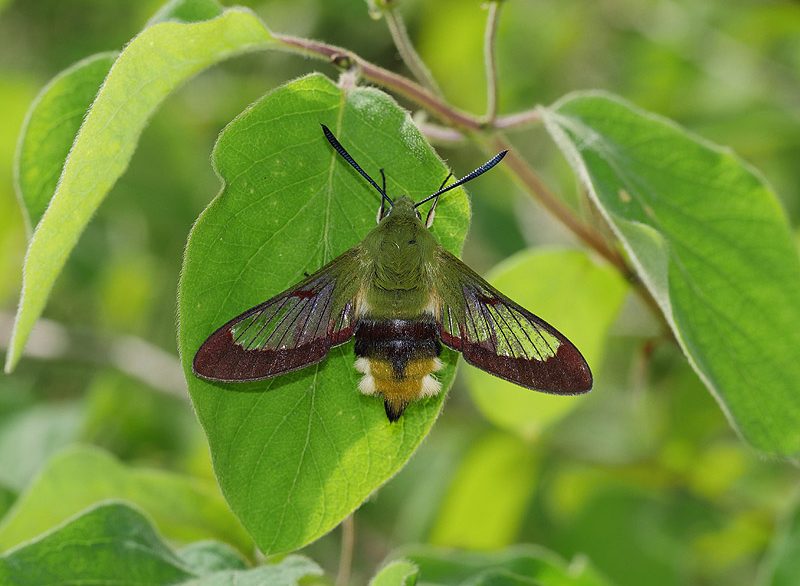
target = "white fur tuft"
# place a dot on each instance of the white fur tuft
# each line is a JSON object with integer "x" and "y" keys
{"x": 430, "y": 387}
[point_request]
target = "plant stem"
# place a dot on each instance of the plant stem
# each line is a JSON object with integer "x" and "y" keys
{"x": 534, "y": 185}
{"x": 490, "y": 61}
{"x": 346, "y": 552}
{"x": 411, "y": 58}
{"x": 385, "y": 78}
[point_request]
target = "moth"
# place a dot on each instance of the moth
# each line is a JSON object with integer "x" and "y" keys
{"x": 402, "y": 296}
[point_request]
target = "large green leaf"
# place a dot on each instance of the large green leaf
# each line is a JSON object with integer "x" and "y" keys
{"x": 150, "y": 67}
{"x": 296, "y": 454}
{"x": 115, "y": 544}
{"x": 185, "y": 509}
{"x": 569, "y": 290}
{"x": 710, "y": 242}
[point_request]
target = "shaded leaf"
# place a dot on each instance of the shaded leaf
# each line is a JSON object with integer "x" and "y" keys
{"x": 709, "y": 240}
{"x": 150, "y": 67}
{"x": 184, "y": 508}
{"x": 782, "y": 565}
{"x": 115, "y": 544}
{"x": 518, "y": 565}
{"x": 111, "y": 543}
{"x": 573, "y": 293}
{"x": 296, "y": 454}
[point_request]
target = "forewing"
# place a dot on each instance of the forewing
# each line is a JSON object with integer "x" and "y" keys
{"x": 503, "y": 338}
{"x": 292, "y": 330}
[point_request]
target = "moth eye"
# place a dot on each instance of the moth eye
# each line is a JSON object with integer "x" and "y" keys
{"x": 419, "y": 217}
{"x": 412, "y": 241}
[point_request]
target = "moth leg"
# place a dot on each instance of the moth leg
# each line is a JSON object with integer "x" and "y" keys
{"x": 432, "y": 211}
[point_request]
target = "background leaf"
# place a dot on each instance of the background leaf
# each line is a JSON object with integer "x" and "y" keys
{"x": 489, "y": 494}
{"x": 296, "y": 454}
{"x": 573, "y": 293}
{"x": 152, "y": 65}
{"x": 782, "y": 565}
{"x": 185, "y": 509}
{"x": 396, "y": 573}
{"x": 115, "y": 544}
{"x": 518, "y": 565}
{"x": 711, "y": 243}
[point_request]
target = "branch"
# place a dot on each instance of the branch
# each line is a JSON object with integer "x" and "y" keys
{"x": 490, "y": 60}
{"x": 468, "y": 124}
{"x": 149, "y": 364}
{"x": 346, "y": 551}
{"x": 411, "y": 58}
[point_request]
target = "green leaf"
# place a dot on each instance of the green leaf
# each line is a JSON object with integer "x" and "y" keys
{"x": 111, "y": 543}
{"x": 207, "y": 557}
{"x": 709, "y": 240}
{"x": 150, "y": 67}
{"x": 49, "y": 129}
{"x": 296, "y": 454}
{"x": 396, "y": 573}
{"x": 115, "y": 544}
{"x": 568, "y": 289}
{"x": 517, "y": 565}
{"x": 472, "y": 515}
{"x": 185, "y": 509}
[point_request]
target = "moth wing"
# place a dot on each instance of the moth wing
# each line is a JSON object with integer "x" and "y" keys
{"x": 503, "y": 338}
{"x": 294, "y": 329}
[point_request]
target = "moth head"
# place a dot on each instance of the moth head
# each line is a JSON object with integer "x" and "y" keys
{"x": 383, "y": 211}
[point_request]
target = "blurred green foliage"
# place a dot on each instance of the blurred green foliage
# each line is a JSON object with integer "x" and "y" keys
{"x": 644, "y": 478}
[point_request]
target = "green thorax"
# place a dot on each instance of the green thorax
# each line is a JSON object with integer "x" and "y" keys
{"x": 398, "y": 257}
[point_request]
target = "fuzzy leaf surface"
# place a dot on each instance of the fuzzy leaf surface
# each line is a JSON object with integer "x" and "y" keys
{"x": 709, "y": 239}
{"x": 296, "y": 454}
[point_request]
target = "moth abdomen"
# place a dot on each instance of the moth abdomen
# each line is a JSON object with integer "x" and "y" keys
{"x": 398, "y": 358}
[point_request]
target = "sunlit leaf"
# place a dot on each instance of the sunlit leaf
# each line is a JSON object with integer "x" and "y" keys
{"x": 709, "y": 240}
{"x": 572, "y": 292}
{"x": 184, "y": 509}
{"x": 488, "y": 495}
{"x": 115, "y": 544}
{"x": 396, "y": 573}
{"x": 50, "y": 127}
{"x": 296, "y": 454}
{"x": 150, "y": 67}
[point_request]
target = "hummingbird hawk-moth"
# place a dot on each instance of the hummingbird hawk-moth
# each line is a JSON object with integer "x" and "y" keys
{"x": 401, "y": 295}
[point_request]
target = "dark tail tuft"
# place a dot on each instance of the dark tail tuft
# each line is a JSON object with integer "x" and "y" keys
{"x": 394, "y": 410}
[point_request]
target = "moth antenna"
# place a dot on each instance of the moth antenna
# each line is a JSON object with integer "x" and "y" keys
{"x": 469, "y": 177}
{"x": 432, "y": 211}
{"x": 346, "y": 156}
